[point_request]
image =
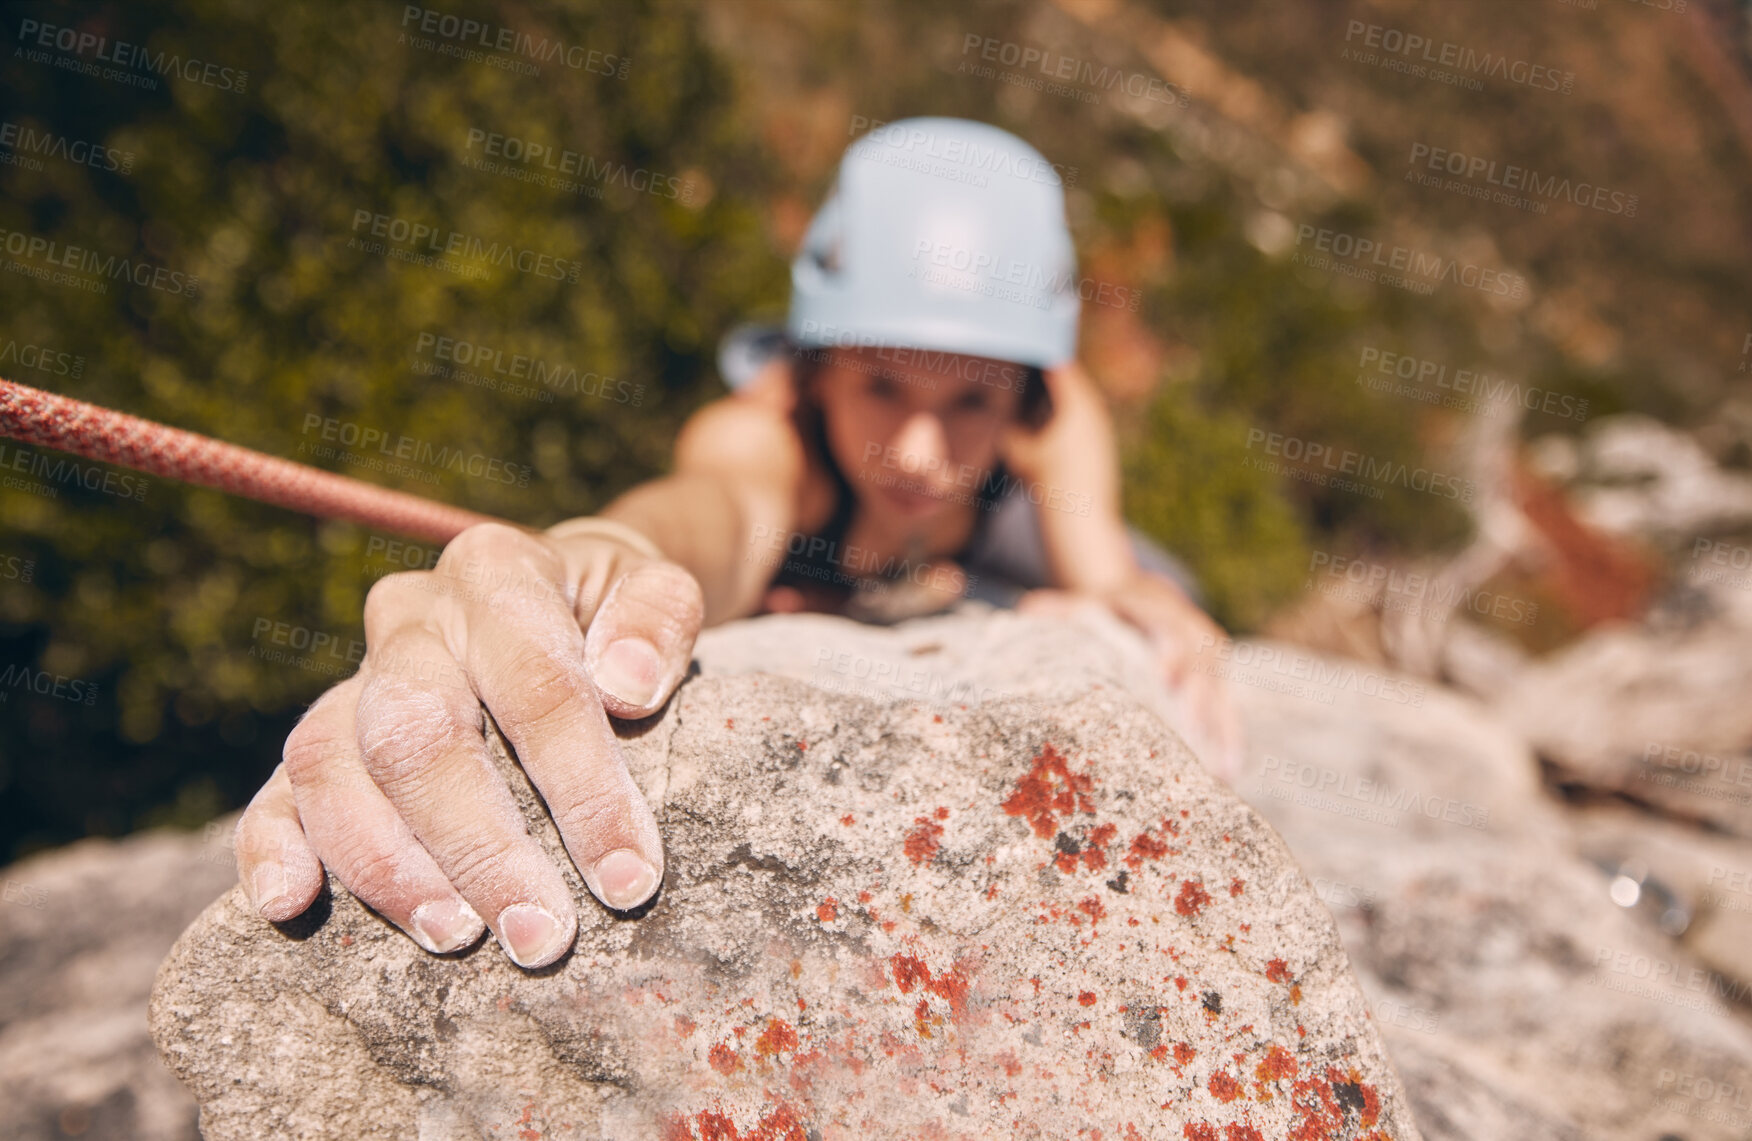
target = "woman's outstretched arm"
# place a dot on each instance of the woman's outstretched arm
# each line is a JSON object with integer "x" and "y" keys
{"x": 386, "y": 780}
{"x": 1073, "y": 461}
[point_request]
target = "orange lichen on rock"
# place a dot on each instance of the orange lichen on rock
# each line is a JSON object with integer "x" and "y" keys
{"x": 950, "y": 986}
{"x": 1048, "y": 790}
{"x": 1223, "y": 1087}
{"x": 1277, "y": 1065}
{"x": 922, "y": 842}
{"x": 1323, "y": 1103}
{"x": 909, "y": 972}
{"x": 1145, "y": 847}
{"x": 782, "y": 1124}
{"x": 1039, "y": 1018}
{"x": 777, "y": 1037}
{"x": 1191, "y": 899}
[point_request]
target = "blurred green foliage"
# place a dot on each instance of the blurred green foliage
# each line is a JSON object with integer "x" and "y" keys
{"x": 256, "y": 193}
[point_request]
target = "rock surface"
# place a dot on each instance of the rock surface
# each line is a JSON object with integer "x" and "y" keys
{"x": 82, "y": 932}
{"x": 1518, "y": 1000}
{"x": 1657, "y": 713}
{"x": 1634, "y": 475}
{"x": 1015, "y": 910}
{"x": 1692, "y": 884}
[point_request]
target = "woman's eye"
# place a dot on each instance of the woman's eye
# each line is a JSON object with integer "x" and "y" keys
{"x": 883, "y": 388}
{"x": 972, "y": 402}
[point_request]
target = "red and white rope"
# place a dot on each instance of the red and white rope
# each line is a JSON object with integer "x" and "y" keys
{"x": 90, "y": 430}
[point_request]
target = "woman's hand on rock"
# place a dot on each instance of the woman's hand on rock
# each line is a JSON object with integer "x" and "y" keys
{"x": 387, "y": 780}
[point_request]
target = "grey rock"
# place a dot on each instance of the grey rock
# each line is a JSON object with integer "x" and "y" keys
{"x": 1023, "y": 912}
{"x": 82, "y": 932}
{"x": 1637, "y": 476}
{"x": 1691, "y": 884}
{"x": 1517, "y": 999}
{"x": 1655, "y": 712}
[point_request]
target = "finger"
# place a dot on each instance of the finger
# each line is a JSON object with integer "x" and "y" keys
{"x": 275, "y": 862}
{"x": 641, "y": 638}
{"x": 1176, "y": 663}
{"x": 1231, "y": 737}
{"x": 419, "y": 730}
{"x": 784, "y": 600}
{"x": 1050, "y": 603}
{"x": 531, "y": 675}
{"x": 1063, "y": 380}
{"x": 1215, "y": 724}
{"x": 525, "y": 656}
{"x": 359, "y": 835}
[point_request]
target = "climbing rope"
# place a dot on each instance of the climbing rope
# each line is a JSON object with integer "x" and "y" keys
{"x": 98, "y": 433}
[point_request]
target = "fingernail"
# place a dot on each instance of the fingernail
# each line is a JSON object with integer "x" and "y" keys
{"x": 268, "y": 885}
{"x": 531, "y": 936}
{"x": 630, "y": 669}
{"x": 445, "y": 925}
{"x": 624, "y": 879}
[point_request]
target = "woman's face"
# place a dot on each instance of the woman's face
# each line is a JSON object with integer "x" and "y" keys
{"x": 916, "y": 432}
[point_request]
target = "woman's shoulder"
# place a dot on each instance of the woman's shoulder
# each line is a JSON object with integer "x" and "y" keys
{"x": 743, "y": 432}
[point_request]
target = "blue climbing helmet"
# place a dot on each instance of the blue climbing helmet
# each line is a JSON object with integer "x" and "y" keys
{"x": 941, "y": 234}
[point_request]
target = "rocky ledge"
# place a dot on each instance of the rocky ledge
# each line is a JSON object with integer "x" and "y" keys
{"x": 943, "y": 881}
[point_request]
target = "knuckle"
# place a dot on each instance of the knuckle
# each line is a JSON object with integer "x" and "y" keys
{"x": 663, "y": 598}
{"x": 311, "y": 747}
{"x": 549, "y": 687}
{"x": 480, "y": 865}
{"x": 404, "y": 728}
{"x": 597, "y": 816}
{"x": 393, "y": 598}
{"x": 249, "y": 837}
{"x": 376, "y": 875}
{"x": 489, "y": 543}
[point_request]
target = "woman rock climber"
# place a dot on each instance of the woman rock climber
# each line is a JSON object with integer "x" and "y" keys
{"x": 927, "y": 435}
